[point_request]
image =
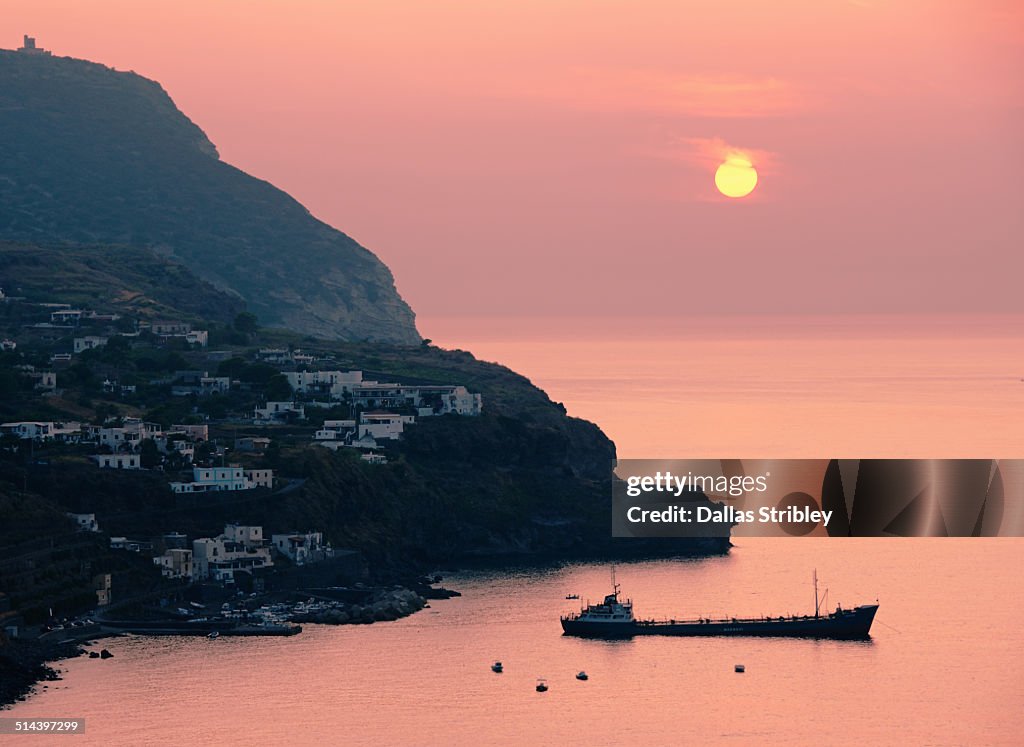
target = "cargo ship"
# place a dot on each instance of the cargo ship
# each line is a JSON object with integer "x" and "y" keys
{"x": 613, "y": 618}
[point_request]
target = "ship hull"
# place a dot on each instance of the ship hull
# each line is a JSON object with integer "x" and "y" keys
{"x": 848, "y": 625}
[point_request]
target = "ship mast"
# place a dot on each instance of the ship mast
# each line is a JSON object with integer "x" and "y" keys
{"x": 615, "y": 586}
{"x": 815, "y": 592}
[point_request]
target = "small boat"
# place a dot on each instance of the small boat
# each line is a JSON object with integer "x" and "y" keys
{"x": 581, "y": 675}
{"x": 214, "y": 635}
{"x": 497, "y": 667}
{"x": 542, "y": 685}
{"x": 572, "y": 596}
{"x": 740, "y": 668}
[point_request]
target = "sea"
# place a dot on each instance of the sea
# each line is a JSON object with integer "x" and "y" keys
{"x": 942, "y": 665}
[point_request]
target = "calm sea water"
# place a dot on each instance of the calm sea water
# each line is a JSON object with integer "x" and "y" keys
{"x": 942, "y": 666}
{"x": 778, "y": 387}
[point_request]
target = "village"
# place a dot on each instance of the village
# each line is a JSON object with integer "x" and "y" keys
{"x": 202, "y": 408}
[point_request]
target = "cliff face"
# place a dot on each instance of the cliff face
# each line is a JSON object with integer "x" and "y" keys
{"x": 89, "y": 155}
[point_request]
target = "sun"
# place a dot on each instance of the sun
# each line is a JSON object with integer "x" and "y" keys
{"x": 736, "y": 177}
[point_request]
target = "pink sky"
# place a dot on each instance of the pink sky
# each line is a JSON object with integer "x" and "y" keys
{"x": 551, "y": 158}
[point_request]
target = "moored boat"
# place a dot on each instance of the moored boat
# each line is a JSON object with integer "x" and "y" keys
{"x": 614, "y": 618}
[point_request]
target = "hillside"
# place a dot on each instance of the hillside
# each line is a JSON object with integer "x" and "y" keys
{"x": 121, "y": 280}
{"x": 90, "y": 155}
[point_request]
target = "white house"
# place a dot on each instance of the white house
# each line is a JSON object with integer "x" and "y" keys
{"x": 183, "y": 330}
{"x": 239, "y": 548}
{"x": 89, "y": 342}
{"x": 248, "y": 534}
{"x": 383, "y": 425}
{"x": 66, "y": 316}
{"x": 274, "y": 355}
{"x": 175, "y": 563}
{"x": 373, "y": 458}
{"x": 280, "y": 411}
{"x": 125, "y": 437}
{"x": 86, "y": 522}
{"x": 212, "y": 479}
{"x": 438, "y": 399}
{"x": 331, "y": 383}
{"x": 195, "y": 432}
{"x": 117, "y": 461}
{"x": 252, "y": 443}
{"x": 198, "y": 337}
{"x": 204, "y": 386}
{"x": 166, "y": 328}
{"x": 259, "y": 478}
{"x": 301, "y": 547}
{"x": 428, "y": 400}
{"x": 45, "y": 380}
{"x": 35, "y": 430}
{"x": 70, "y": 432}
{"x": 177, "y": 443}
{"x": 44, "y": 430}
{"x": 335, "y": 430}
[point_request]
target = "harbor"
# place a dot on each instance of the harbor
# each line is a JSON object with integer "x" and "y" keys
{"x": 393, "y": 683}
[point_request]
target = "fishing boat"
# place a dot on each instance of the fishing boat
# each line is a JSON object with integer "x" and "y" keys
{"x": 497, "y": 667}
{"x": 542, "y": 685}
{"x": 614, "y": 618}
{"x": 581, "y": 675}
{"x": 572, "y": 596}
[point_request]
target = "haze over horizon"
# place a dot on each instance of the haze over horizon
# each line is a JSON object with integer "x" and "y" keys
{"x": 551, "y": 160}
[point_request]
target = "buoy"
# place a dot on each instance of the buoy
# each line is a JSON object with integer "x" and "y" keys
{"x": 740, "y": 668}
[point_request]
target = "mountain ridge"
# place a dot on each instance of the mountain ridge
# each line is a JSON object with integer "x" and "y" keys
{"x": 91, "y": 155}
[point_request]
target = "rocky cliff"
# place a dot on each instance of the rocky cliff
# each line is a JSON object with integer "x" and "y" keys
{"x": 90, "y": 155}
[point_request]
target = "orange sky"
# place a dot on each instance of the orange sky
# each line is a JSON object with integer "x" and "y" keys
{"x": 550, "y": 157}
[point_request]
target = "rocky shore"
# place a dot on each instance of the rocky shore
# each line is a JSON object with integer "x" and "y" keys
{"x": 23, "y": 664}
{"x": 390, "y": 604}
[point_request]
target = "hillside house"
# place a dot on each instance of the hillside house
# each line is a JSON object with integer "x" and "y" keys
{"x": 239, "y": 549}
{"x": 175, "y": 563}
{"x": 86, "y": 522}
{"x": 214, "y": 479}
{"x": 117, "y": 461}
{"x": 280, "y": 412}
{"x": 301, "y": 547}
{"x": 89, "y": 342}
{"x": 383, "y": 426}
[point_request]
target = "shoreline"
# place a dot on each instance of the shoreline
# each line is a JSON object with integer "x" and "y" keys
{"x": 26, "y": 663}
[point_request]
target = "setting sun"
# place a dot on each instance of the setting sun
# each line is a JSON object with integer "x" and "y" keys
{"x": 736, "y": 177}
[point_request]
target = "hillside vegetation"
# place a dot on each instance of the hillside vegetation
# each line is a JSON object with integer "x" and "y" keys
{"x": 90, "y": 155}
